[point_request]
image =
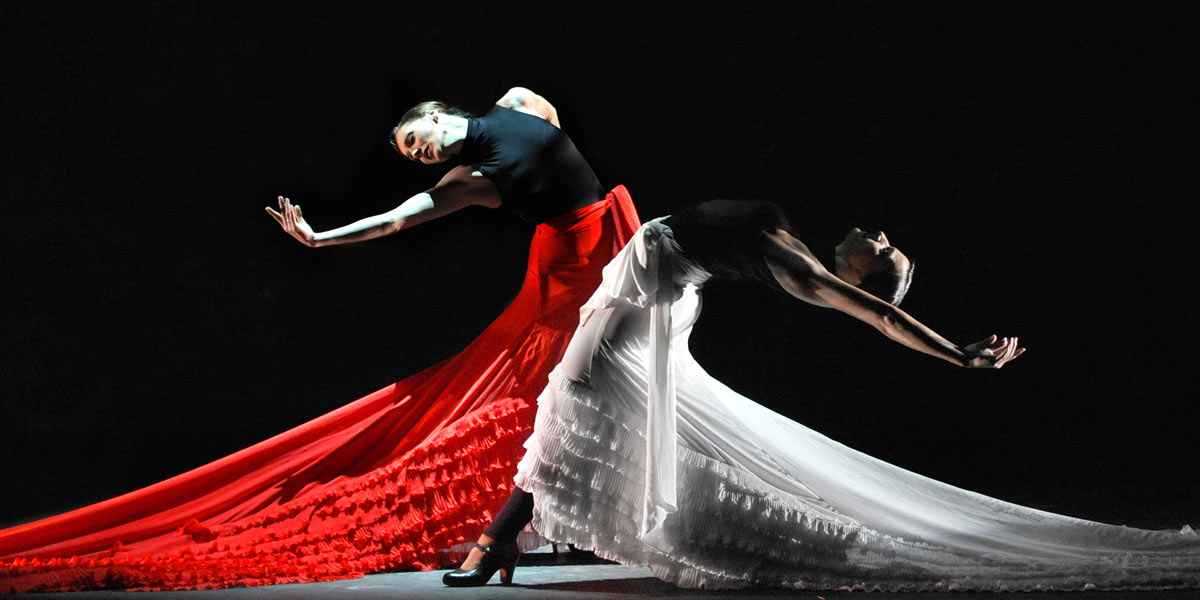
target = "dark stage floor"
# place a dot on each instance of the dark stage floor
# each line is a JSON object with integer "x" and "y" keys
{"x": 584, "y": 578}
{"x": 572, "y": 582}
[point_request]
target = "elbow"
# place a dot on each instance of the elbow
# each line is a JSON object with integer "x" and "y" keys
{"x": 887, "y": 322}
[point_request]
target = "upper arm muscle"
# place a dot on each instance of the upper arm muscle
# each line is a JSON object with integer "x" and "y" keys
{"x": 460, "y": 188}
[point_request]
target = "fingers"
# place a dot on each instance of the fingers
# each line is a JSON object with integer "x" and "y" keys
{"x": 289, "y": 218}
{"x": 284, "y": 209}
{"x": 989, "y": 342}
{"x": 997, "y": 345}
{"x": 1011, "y": 351}
{"x": 283, "y": 215}
{"x": 1014, "y": 352}
{"x": 993, "y": 352}
{"x": 291, "y": 214}
{"x": 1010, "y": 346}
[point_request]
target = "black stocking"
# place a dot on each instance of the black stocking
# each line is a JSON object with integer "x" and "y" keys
{"x": 517, "y": 512}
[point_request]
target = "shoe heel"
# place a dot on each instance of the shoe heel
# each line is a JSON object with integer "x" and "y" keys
{"x": 506, "y": 572}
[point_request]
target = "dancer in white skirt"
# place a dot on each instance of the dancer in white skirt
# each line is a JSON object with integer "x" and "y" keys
{"x": 643, "y": 457}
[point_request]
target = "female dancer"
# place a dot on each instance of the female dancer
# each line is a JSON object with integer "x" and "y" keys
{"x": 393, "y": 479}
{"x": 643, "y": 457}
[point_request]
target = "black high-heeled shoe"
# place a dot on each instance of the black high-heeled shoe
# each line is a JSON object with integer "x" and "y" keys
{"x": 497, "y": 557}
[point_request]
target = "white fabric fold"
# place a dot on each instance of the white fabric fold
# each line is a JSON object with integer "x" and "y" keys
{"x": 643, "y": 276}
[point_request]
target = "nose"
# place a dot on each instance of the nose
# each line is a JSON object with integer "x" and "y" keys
{"x": 883, "y": 238}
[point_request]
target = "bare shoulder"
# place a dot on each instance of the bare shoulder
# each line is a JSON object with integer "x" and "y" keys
{"x": 525, "y": 100}
{"x": 519, "y": 97}
{"x": 782, "y": 246}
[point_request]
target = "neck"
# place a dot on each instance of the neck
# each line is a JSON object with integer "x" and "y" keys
{"x": 455, "y": 132}
{"x": 841, "y": 268}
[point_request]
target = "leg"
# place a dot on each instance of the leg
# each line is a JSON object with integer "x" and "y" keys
{"x": 516, "y": 514}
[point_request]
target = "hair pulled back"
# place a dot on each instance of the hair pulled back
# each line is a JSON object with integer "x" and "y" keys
{"x": 888, "y": 286}
{"x": 420, "y": 110}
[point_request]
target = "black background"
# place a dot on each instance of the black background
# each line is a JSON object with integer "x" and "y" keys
{"x": 1037, "y": 161}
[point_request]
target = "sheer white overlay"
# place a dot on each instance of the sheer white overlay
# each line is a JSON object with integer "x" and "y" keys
{"x": 641, "y": 456}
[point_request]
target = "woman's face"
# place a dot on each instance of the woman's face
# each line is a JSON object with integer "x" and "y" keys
{"x": 423, "y": 139}
{"x": 865, "y": 253}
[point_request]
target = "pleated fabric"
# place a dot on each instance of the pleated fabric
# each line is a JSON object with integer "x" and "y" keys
{"x": 387, "y": 482}
{"x": 643, "y": 457}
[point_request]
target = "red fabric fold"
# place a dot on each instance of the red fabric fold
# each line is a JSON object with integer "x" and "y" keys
{"x": 389, "y": 481}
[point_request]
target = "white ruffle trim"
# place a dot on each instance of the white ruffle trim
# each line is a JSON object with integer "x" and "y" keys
{"x": 586, "y": 471}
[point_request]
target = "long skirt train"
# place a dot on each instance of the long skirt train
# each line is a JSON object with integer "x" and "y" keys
{"x": 642, "y": 456}
{"x": 382, "y": 483}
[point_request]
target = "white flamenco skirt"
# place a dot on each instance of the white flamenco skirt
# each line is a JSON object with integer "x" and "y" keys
{"x": 643, "y": 457}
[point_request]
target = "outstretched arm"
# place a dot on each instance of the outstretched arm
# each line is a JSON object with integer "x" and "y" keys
{"x": 461, "y": 187}
{"x": 802, "y": 276}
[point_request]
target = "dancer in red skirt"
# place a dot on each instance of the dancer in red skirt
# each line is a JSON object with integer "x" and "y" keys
{"x": 393, "y": 479}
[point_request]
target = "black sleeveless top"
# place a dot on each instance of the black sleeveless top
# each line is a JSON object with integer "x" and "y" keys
{"x": 536, "y": 167}
{"x": 725, "y": 237}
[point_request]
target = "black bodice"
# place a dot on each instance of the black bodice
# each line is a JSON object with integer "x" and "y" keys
{"x": 725, "y": 237}
{"x": 535, "y": 165}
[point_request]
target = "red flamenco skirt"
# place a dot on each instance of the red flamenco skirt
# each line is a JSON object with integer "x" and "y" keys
{"x": 387, "y": 482}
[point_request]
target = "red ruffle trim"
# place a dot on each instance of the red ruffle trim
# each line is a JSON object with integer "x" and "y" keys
{"x": 395, "y": 518}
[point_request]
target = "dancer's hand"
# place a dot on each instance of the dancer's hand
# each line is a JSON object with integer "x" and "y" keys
{"x": 991, "y": 352}
{"x": 292, "y": 221}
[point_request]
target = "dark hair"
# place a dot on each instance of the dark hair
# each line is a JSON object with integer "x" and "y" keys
{"x": 888, "y": 286}
{"x": 421, "y": 110}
